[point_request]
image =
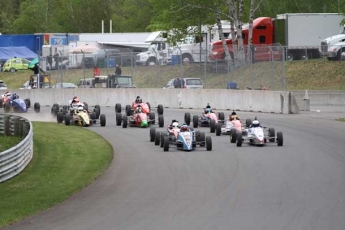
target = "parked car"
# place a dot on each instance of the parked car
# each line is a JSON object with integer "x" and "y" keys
{"x": 64, "y": 85}
{"x": 187, "y": 83}
{"x": 15, "y": 64}
{"x": 2, "y": 85}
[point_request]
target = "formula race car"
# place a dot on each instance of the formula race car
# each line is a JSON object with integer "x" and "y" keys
{"x": 184, "y": 139}
{"x": 208, "y": 118}
{"x": 79, "y": 116}
{"x": 146, "y": 107}
{"x": 12, "y": 103}
{"x": 258, "y": 135}
{"x": 138, "y": 119}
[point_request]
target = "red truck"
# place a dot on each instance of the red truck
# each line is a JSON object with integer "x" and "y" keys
{"x": 299, "y": 34}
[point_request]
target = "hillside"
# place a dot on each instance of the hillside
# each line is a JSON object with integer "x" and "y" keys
{"x": 300, "y": 75}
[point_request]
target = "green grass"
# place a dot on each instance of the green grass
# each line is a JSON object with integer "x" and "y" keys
{"x": 7, "y": 142}
{"x": 66, "y": 159}
{"x": 316, "y": 74}
{"x": 341, "y": 119}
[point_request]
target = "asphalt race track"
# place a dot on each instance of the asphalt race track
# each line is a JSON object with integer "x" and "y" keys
{"x": 300, "y": 186}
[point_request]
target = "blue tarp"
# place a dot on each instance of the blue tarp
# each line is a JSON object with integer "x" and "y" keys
{"x": 16, "y": 51}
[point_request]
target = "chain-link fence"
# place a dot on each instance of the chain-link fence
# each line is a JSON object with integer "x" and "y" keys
{"x": 255, "y": 67}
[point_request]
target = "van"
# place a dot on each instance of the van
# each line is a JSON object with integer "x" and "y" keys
{"x": 187, "y": 83}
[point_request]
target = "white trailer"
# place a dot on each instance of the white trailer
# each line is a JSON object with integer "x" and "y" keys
{"x": 305, "y": 31}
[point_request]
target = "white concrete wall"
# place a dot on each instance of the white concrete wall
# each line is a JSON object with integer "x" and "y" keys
{"x": 318, "y": 97}
{"x": 244, "y": 100}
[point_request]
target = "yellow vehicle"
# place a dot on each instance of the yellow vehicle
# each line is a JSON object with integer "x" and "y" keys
{"x": 15, "y": 64}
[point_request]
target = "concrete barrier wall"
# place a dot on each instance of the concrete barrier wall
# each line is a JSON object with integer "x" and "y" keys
{"x": 244, "y": 100}
{"x": 318, "y": 97}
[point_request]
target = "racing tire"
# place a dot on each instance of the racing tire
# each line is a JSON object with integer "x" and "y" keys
{"x": 233, "y": 135}
{"x": 65, "y": 107}
{"x": 117, "y": 108}
{"x": 103, "y": 120}
{"x": 152, "y": 118}
{"x": 221, "y": 116}
{"x": 166, "y": 144}
{"x": 56, "y": 106}
{"x": 67, "y": 119}
{"x": 212, "y": 126}
{"x": 148, "y": 105}
{"x": 37, "y": 107}
{"x": 97, "y": 111}
{"x": 248, "y": 122}
{"x": 208, "y": 143}
{"x": 64, "y": 111}
{"x": 152, "y": 134}
{"x": 280, "y": 138}
{"x": 197, "y": 136}
{"x": 7, "y": 108}
{"x": 187, "y": 118}
{"x": 86, "y": 106}
{"x": 160, "y": 110}
{"x": 161, "y": 121}
{"x": 202, "y": 139}
{"x": 218, "y": 129}
{"x": 195, "y": 121}
{"x": 54, "y": 111}
{"x": 239, "y": 140}
{"x": 157, "y": 137}
{"x": 271, "y": 134}
{"x": 128, "y": 110}
{"x": 99, "y": 108}
{"x": 59, "y": 117}
{"x": 118, "y": 119}
{"x": 124, "y": 121}
{"x": 28, "y": 102}
{"x": 93, "y": 116}
{"x": 162, "y": 139}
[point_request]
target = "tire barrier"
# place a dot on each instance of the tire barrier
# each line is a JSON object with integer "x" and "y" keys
{"x": 14, "y": 160}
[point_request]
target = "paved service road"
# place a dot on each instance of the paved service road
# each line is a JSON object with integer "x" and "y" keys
{"x": 300, "y": 186}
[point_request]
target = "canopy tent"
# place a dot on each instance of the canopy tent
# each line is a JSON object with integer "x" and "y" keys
{"x": 16, "y": 51}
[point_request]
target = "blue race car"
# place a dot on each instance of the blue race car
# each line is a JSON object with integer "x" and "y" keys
{"x": 12, "y": 103}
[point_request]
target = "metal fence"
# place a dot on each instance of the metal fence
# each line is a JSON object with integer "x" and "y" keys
{"x": 256, "y": 67}
{"x": 14, "y": 160}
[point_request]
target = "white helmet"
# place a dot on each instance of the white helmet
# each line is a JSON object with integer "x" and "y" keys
{"x": 80, "y": 108}
{"x": 255, "y": 123}
{"x": 175, "y": 125}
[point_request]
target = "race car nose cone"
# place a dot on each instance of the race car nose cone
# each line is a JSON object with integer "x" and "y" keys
{"x": 144, "y": 124}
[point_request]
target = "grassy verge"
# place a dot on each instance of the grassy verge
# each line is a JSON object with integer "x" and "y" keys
{"x": 66, "y": 159}
{"x": 341, "y": 119}
{"x": 7, "y": 142}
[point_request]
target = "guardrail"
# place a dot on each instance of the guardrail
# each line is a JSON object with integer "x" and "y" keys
{"x": 15, "y": 159}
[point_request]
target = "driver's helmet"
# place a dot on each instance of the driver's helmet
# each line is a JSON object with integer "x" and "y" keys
{"x": 140, "y": 100}
{"x": 255, "y": 123}
{"x": 137, "y": 100}
{"x": 208, "y": 106}
{"x": 75, "y": 99}
{"x": 208, "y": 110}
{"x": 8, "y": 94}
{"x": 233, "y": 113}
{"x": 184, "y": 128}
{"x": 174, "y": 125}
{"x": 80, "y": 108}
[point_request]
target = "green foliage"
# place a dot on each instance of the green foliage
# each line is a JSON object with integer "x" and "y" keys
{"x": 85, "y": 16}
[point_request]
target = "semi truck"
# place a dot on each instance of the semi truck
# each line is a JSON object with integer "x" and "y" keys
{"x": 191, "y": 49}
{"x": 298, "y": 34}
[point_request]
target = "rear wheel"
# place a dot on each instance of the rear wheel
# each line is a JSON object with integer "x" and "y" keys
{"x": 102, "y": 120}
{"x": 195, "y": 121}
{"x": 152, "y": 134}
{"x": 248, "y": 122}
{"x": 221, "y": 116}
{"x": 208, "y": 143}
{"x": 271, "y": 134}
{"x": 202, "y": 139}
{"x": 212, "y": 126}
{"x": 128, "y": 110}
{"x": 162, "y": 139}
{"x": 97, "y": 111}
{"x": 233, "y": 135}
{"x": 117, "y": 108}
{"x": 124, "y": 121}
{"x": 160, "y": 120}
{"x": 59, "y": 117}
{"x": 239, "y": 139}
{"x": 67, "y": 119}
{"x": 280, "y": 138}
{"x": 160, "y": 110}
{"x": 218, "y": 129}
{"x": 166, "y": 144}
{"x": 118, "y": 119}
{"x": 157, "y": 137}
{"x": 27, "y": 102}
{"x": 98, "y": 107}
{"x": 152, "y": 117}
{"x": 187, "y": 118}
